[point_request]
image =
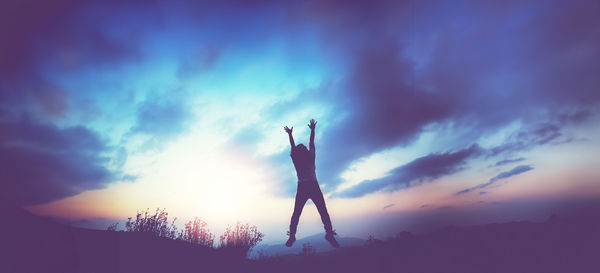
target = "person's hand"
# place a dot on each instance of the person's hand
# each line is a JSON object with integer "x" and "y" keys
{"x": 288, "y": 130}
{"x": 312, "y": 124}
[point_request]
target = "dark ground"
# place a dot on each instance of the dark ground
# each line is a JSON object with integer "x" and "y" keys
{"x": 30, "y": 243}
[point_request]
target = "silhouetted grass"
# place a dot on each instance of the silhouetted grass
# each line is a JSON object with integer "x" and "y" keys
{"x": 236, "y": 241}
{"x": 157, "y": 224}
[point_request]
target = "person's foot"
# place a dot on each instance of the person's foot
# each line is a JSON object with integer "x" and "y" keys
{"x": 331, "y": 239}
{"x": 290, "y": 241}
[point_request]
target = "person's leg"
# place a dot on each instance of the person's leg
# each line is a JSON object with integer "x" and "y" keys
{"x": 298, "y": 206}
{"x": 301, "y": 198}
{"x": 317, "y": 197}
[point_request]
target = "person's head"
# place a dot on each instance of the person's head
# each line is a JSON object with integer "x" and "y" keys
{"x": 300, "y": 148}
{"x": 301, "y": 151}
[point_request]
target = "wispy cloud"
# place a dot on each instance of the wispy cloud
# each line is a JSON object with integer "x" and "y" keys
{"x": 503, "y": 175}
{"x": 420, "y": 170}
{"x": 509, "y": 161}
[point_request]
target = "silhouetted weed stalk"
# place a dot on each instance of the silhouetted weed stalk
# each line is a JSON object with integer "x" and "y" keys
{"x": 240, "y": 239}
{"x": 196, "y": 232}
{"x": 157, "y": 224}
{"x": 236, "y": 241}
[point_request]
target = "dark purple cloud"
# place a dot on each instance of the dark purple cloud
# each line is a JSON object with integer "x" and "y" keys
{"x": 420, "y": 170}
{"x": 41, "y": 162}
{"x": 66, "y": 33}
{"x": 515, "y": 171}
{"x": 528, "y": 138}
{"x": 63, "y": 36}
{"x": 413, "y": 64}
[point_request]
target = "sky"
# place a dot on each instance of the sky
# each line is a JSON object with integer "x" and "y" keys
{"x": 429, "y": 112}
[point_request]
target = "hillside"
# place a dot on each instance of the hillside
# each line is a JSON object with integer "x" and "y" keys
{"x": 557, "y": 245}
{"x": 34, "y": 244}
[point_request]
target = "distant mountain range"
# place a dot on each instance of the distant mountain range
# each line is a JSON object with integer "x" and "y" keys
{"x": 317, "y": 241}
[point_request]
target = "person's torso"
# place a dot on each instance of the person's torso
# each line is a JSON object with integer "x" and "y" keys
{"x": 305, "y": 166}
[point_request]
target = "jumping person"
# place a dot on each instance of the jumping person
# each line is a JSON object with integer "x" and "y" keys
{"x": 308, "y": 187}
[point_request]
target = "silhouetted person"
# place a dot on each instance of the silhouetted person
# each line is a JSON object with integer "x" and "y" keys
{"x": 308, "y": 187}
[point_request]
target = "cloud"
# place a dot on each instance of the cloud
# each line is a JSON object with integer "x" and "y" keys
{"x": 199, "y": 61}
{"x": 389, "y": 206}
{"x": 525, "y": 139}
{"x": 162, "y": 116}
{"x": 41, "y": 162}
{"x": 65, "y": 34}
{"x": 64, "y": 37}
{"x": 420, "y": 170}
{"x": 514, "y": 171}
{"x": 508, "y": 161}
{"x": 503, "y": 175}
{"x": 480, "y": 72}
{"x": 129, "y": 177}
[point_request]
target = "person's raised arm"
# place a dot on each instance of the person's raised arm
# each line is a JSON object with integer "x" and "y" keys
{"x": 312, "y": 126}
{"x": 289, "y": 131}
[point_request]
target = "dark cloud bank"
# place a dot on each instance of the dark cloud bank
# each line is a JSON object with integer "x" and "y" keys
{"x": 476, "y": 65}
{"x": 41, "y": 162}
